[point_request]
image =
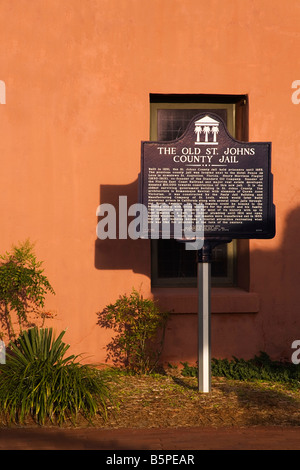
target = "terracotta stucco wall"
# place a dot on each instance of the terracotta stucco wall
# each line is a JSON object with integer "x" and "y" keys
{"x": 78, "y": 75}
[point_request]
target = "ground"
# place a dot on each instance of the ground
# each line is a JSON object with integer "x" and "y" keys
{"x": 172, "y": 400}
{"x": 167, "y": 412}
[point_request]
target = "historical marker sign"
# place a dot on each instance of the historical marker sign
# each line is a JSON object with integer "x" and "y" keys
{"x": 232, "y": 179}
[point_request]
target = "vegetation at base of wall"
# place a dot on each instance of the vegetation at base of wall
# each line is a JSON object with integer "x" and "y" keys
{"x": 40, "y": 383}
{"x": 140, "y": 327}
{"x": 23, "y": 288}
{"x": 261, "y": 368}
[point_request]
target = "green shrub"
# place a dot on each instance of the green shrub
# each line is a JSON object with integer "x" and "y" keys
{"x": 140, "y": 328}
{"x": 260, "y": 368}
{"x": 38, "y": 381}
{"x": 23, "y": 288}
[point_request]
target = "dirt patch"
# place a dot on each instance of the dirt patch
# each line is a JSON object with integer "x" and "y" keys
{"x": 173, "y": 400}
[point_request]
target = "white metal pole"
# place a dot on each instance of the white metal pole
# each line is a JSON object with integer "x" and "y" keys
{"x": 204, "y": 343}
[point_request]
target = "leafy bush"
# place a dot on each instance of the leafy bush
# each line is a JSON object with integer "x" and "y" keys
{"x": 23, "y": 288}
{"x": 259, "y": 368}
{"x": 39, "y": 382}
{"x": 140, "y": 328}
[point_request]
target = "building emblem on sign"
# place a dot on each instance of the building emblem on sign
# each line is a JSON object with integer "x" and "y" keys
{"x": 206, "y": 130}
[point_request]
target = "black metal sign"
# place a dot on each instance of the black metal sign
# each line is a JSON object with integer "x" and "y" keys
{"x": 232, "y": 180}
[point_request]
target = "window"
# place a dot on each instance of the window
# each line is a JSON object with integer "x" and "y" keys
{"x": 171, "y": 264}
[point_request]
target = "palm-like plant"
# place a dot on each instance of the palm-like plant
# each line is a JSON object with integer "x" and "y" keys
{"x": 38, "y": 381}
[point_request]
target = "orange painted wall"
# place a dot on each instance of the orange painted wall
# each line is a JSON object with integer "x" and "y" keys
{"x": 78, "y": 76}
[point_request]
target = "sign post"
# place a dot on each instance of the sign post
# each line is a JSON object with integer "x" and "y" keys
{"x": 204, "y": 261}
{"x": 230, "y": 180}
{"x": 204, "y": 337}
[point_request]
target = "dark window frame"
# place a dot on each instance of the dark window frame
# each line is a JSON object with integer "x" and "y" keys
{"x": 237, "y": 123}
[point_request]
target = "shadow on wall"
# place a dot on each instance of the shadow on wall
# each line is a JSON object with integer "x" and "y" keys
{"x": 279, "y": 270}
{"x": 275, "y": 277}
{"x": 122, "y": 253}
{"x": 276, "y": 274}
